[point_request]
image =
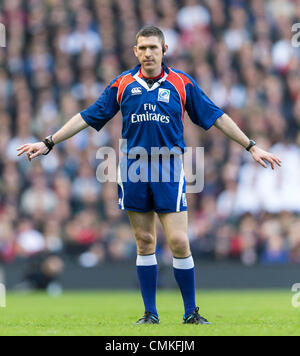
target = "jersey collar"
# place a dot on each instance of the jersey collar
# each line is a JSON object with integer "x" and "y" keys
{"x": 162, "y": 73}
{"x": 136, "y": 71}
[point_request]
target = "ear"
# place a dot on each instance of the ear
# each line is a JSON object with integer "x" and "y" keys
{"x": 165, "y": 49}
{"x": 135, "y": 50}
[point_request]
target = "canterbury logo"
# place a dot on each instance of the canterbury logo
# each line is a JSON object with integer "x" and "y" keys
{"x": 136, "y": 91}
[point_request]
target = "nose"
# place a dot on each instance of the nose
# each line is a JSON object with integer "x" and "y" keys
{"x": 148, "y": 52}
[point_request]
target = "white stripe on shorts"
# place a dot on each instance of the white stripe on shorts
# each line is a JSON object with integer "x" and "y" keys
{"x": 121, "y": 185}
{"x": 180, "y": 188}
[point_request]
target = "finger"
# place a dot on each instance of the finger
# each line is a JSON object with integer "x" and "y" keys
{"x": 278, "y": 161}
{"x": 29, "y": 157}
{"x": 21, "y": 147}
{"x": 36, "y": 154}
{"x": 262, "y": 163}
{"x": 270, "y": 160}
{"x": 273, "y": 160}
{"x": 23, "y": 151}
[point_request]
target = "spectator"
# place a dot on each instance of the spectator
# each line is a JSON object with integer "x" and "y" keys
{"x": 59, "y": 58}
{"x": 39, "y": 199}
{"x": 83, "y": 37}
{"x": 274, "y": 251}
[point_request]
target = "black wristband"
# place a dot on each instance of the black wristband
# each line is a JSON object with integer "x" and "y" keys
{"x": 48, "y": 141}
{"x": 251, "y": 144}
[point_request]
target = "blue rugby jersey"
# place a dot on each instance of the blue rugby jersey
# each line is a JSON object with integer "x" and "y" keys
{"x": 153, "y": 117}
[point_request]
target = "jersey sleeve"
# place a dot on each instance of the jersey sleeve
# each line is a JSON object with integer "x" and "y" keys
{"x": 104, "y": 109}
{"x": 202, "y": 111}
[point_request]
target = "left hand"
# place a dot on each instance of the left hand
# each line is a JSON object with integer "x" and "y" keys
{"x": 260, "y": 156}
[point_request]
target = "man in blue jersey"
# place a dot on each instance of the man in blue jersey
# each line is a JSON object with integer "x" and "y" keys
{"x": 153, "y": 99}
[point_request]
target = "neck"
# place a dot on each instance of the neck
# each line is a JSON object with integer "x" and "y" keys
{"x": 151, "y": 74}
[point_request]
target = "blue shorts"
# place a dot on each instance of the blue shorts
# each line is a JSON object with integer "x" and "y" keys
{"x": 152, "y": 184}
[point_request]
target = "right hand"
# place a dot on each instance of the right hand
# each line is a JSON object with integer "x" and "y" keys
{"x": 33, "y": 150}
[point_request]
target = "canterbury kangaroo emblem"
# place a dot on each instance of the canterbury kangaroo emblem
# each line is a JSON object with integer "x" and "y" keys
{"x": 136, "y": 91}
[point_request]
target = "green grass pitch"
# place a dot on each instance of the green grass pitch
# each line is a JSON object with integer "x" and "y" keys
{"x": 114, "y": 313}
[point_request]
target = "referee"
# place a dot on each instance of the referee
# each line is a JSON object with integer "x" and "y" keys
{"x": 153, "y": 99}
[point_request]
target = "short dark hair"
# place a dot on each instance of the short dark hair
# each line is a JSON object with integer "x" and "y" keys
{"x": 148, "y": 31}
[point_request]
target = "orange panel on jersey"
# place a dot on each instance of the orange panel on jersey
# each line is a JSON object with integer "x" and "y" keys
{"x": 185, "y": 79}
{"x": 125, "y": 81}
{"x": 178, "y": 83}
{"x": 117, "y": 82}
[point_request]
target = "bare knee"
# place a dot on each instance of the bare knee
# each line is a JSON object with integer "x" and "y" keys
{"x": 180, "y": 246}
{"x": 145, "y": 242}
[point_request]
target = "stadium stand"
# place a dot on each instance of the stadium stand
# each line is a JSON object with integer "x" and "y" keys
{"x": 60, "y": 55}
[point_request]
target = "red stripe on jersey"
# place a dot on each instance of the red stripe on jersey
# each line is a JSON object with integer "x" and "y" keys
{"x": 178, "y": 83}
{"x": 125, "y": 81}
{"x": 185, "y": 79}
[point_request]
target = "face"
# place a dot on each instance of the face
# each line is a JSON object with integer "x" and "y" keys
{"x": 149, "y": 53}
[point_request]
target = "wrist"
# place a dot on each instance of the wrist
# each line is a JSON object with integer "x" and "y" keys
{"x": 49, "y": 143}
{"x": 251, "y": 145}
{"x": 253, "y": 149}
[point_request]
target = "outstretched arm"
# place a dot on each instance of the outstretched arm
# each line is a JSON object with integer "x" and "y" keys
{"x": 230, "y": 129}
{"x": 71, "y": 128}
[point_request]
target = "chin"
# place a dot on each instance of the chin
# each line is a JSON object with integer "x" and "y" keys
{"x": 150, "y": 66}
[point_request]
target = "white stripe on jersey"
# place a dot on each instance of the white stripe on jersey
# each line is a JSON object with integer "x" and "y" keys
{"x": 145, "y": 85}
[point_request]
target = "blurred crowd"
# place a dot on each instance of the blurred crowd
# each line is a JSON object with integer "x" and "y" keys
{"x": 60, "y": 55}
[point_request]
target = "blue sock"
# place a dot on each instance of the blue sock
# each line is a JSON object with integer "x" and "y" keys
{"x": 184, "y": 273}
{"x": 147, "y": 272}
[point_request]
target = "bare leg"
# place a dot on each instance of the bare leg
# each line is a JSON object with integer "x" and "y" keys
{"x": 175, "y": 226}
{"x": 143, "y": 225}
